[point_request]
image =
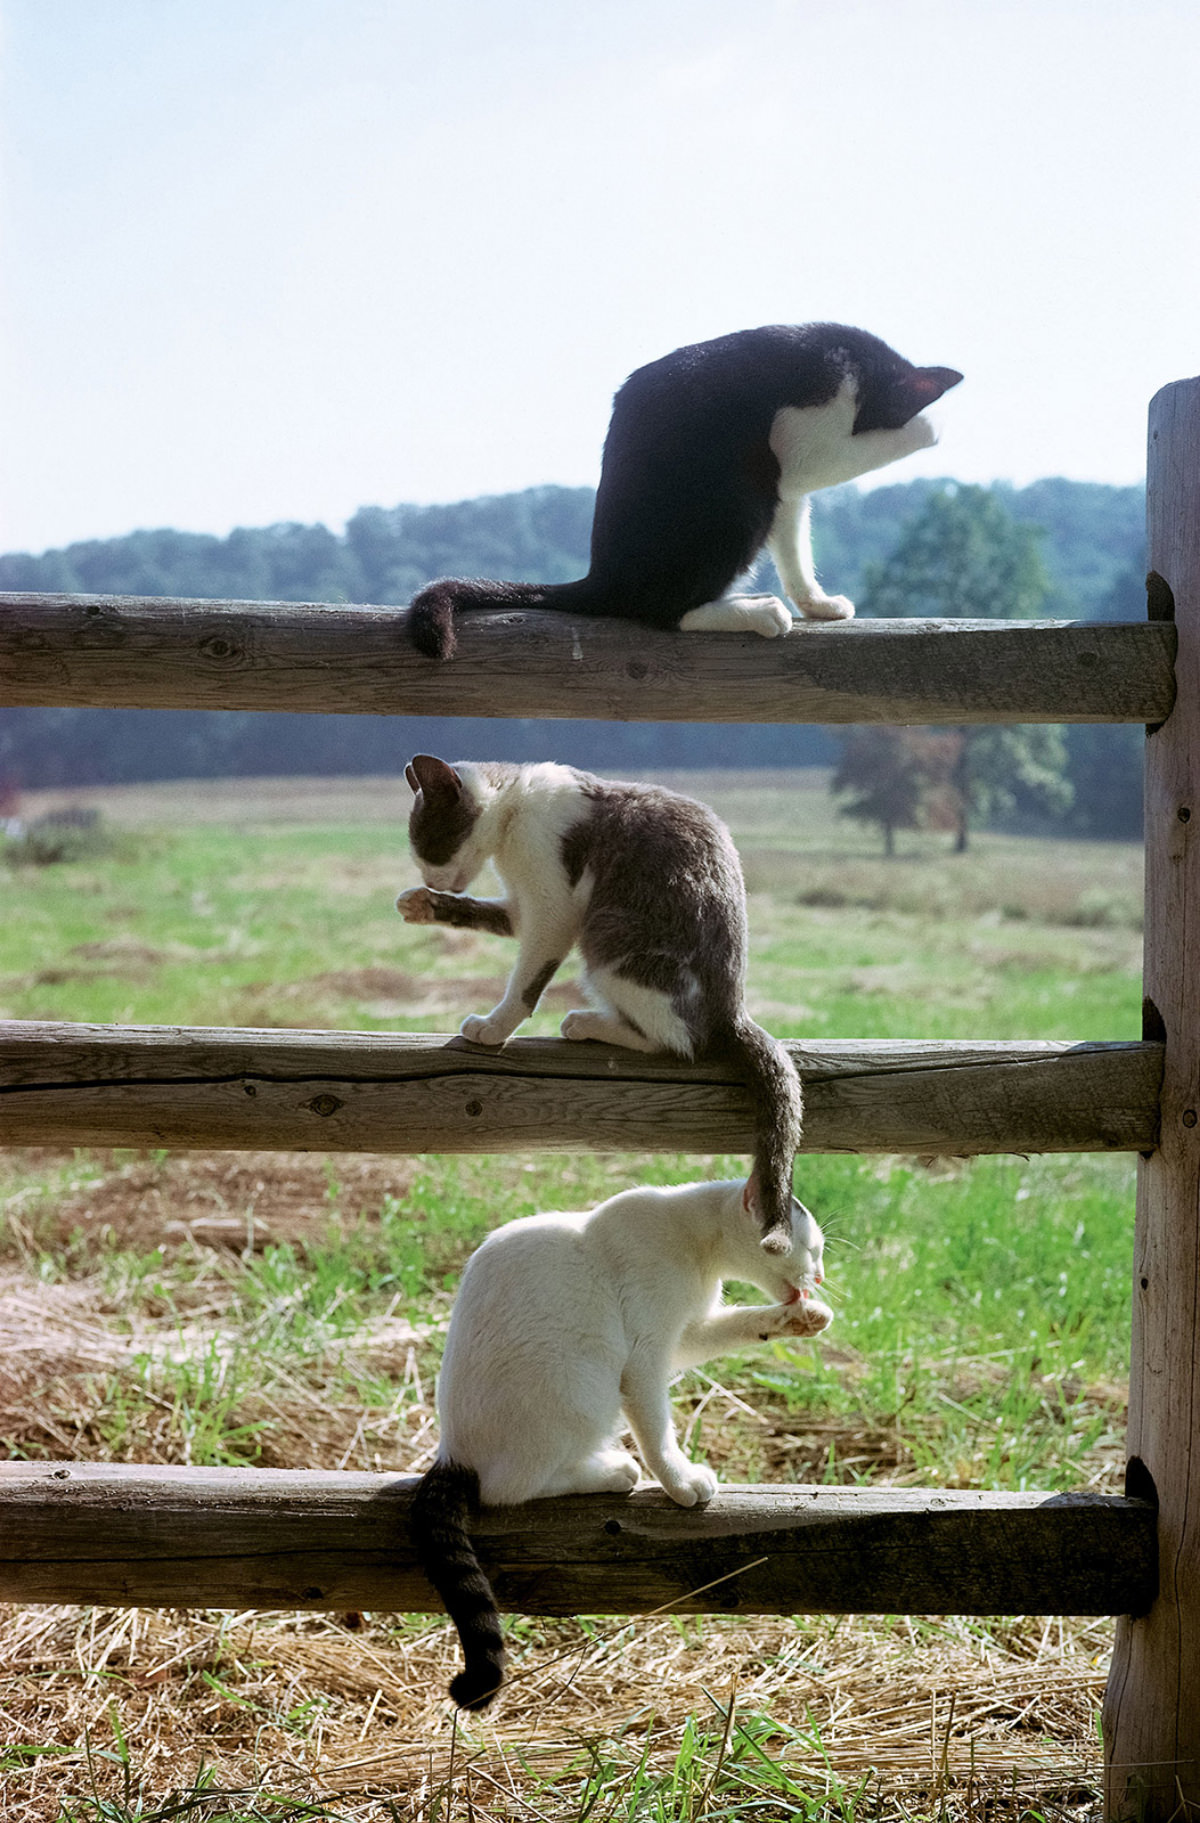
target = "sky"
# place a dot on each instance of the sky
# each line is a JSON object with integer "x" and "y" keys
{"x": 268, "y": 260}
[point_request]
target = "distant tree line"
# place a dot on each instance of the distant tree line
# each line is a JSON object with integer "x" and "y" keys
{"x": 1085, "y": 541}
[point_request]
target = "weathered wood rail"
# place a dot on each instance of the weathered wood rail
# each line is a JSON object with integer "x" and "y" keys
{"x": 81, "y": 1532}
{"x": 375, "y": 1092}
{"x": 123, "y": 652}
{"x": 305, "y": 1539}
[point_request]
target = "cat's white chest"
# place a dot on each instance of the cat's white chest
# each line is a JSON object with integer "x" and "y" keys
{"x": 812, "y": 442}
{"x": 815, "y": 445}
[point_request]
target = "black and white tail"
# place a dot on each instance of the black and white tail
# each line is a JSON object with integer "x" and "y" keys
{"x": 432, "y": 613}
{"x": 779, "y": 1109}
{"x": 437, "y": 1524}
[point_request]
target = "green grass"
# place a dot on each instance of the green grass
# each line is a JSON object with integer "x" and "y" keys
{"x": 966, "y": 1304}
{"x": 982, "y": 1326}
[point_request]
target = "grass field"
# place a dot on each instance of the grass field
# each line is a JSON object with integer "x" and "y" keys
{"x": 285, "y": 1309}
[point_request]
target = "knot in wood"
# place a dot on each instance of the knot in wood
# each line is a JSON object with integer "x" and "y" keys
{"x": 324, "y": 1104}
{"x": 221, "y": 647}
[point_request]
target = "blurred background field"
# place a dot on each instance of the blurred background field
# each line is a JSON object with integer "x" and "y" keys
{"x": 288, "y": 1310}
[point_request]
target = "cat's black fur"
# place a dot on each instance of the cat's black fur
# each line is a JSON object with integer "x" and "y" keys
{"x": 690, "y": 483}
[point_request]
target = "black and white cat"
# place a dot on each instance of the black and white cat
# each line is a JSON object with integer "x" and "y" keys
{"x": 649, "y": 885}
{"x": 711, "y": 454}
{"x": 563, "y": 1322}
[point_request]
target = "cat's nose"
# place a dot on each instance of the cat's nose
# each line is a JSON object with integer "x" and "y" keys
{"x": 820, "y": 1278}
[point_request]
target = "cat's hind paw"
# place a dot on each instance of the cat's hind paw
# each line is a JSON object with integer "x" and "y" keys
{"x": 621, "y": 1472}
{"x": 827, "y": 607}
{"x": 416, "y": 906}
{"x": 693, "y": 1486}
{"x": 763, "y": 614}
{"x": 768, "y": 616}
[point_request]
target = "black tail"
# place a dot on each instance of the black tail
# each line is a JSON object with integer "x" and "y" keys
{"x": 436, "y": 1523}
{"x": 779, "y": 1107}
{"x": 431, "y": 614}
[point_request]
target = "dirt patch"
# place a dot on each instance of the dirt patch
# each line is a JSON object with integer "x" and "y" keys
{"x": 388, "y": 993}
{"x": 237, "y": 1200}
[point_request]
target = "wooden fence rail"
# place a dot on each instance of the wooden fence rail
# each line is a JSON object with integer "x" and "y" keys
{"x": 305, "y": 1539}
{"x": 375, "y": 1092}
{"x": 159, "y": 1535}
{"x": 123, "y": 652}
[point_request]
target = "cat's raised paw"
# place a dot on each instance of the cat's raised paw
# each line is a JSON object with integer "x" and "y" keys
{"x": 828, "y": 607}
{"x": 805, "y": 1317}
{"x": 481, "y": 1029}
{"x": 416, "y": 906}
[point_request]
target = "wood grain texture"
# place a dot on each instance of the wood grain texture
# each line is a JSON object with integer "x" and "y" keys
{"x": 145, "y": 653}
{"x": 1152, "y": 1708}
{"x": 87, "y": 1532}
{"x": 381, "y": 1092}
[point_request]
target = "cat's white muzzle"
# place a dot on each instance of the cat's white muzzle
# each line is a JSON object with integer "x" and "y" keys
{"x": 447, "y": 879}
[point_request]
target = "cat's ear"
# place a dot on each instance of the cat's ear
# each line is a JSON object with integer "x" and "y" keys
{"x": 432, "y": 776}
{"x": 774, "y": 1240}
{"x": 927, "y": 384}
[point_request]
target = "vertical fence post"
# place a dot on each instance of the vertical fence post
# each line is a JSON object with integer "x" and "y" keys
{"x": 1152, "y": 1707}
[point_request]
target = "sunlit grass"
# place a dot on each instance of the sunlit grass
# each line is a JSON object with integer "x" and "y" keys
{"x": 280, "y": 1312}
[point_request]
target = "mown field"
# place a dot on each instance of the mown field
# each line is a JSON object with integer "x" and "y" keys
{"x": 288, "y": 1310}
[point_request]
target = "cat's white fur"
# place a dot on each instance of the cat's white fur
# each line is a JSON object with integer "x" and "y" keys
{"x": 563, "y": 1322}
{"x": 545, "y": 910}
{"x": 815, "y": 448}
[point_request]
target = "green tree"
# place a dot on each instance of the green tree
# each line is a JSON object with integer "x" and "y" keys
{"x": 965, "y": 556}
{"x": 899, "y": 778}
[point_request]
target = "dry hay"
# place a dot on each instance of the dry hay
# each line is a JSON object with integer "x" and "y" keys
{"x": 350, "y": 1712}
{"x": 349, "y": 1715}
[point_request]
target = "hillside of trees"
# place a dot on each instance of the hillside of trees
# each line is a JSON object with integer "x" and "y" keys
{"x": 1088, "y": 538}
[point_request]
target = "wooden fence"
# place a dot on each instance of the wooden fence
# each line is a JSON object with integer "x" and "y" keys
{"x": 84, "y": 1532}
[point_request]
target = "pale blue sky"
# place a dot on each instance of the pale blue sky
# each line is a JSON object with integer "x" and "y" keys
{"x": 277, "y": 259}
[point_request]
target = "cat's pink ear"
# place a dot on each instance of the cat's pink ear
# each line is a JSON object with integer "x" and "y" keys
{"x": 414, "y": 782}
{"x": 433, "y": 776}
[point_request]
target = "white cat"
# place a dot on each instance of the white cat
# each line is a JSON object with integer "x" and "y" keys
{"x": 563, "y": 1322}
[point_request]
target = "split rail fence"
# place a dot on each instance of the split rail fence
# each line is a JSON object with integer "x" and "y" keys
{"x": 82, "y": 1532}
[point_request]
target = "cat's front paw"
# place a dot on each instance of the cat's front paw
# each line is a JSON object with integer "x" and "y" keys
{"x": 827, "y": 607}
{"x": 484, "y": 1029}
{"x": 416, "y": 906}
{"x": 694, "y": 1485}
{"x": 800, "y": 1317}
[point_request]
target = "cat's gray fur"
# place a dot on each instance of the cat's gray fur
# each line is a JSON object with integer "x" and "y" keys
{"x": 648, "y": 884}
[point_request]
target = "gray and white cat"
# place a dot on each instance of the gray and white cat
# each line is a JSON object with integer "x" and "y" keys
{"x": 648, "y": 884}
{"x": 563, "y": 1322}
